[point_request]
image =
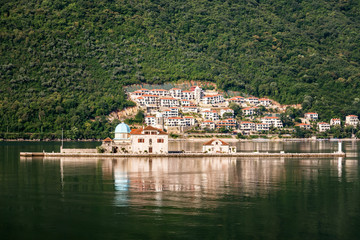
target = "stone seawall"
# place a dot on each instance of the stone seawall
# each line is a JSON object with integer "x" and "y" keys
{"x": 78, "y": 150}
{"x": 180, "y": 155}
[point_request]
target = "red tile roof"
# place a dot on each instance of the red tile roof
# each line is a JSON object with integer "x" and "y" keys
{"x": 212, "y": 140}
{"x": 107, "y": 139}
{"x": 140, "y": 130}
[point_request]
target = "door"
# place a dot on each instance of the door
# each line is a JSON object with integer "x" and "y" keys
{"x": 150, "y": 149}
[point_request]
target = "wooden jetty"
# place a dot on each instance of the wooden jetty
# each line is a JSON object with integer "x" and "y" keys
{"x": 181, "y": 155}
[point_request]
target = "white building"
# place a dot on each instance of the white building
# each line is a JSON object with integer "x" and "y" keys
{"x": 272, "y": 121}
{"x": 149, "y": 99}
{"x": 179, "y": 121}
{"x": 311, "y": 116}
{"x": 188, "y": 95}
{"x": 265, "y": 102}
{"x": 335, "y": 122}
{"x": 176, "y": 93}
{"x": 212, "y": 99}
{"x": 237, "y": 99}
{"x": 149, "y": 140}
{"x": 218, "y": 146}
{"x": 150, "y": 121}
{"x": 210, "y": 115}
{"x": 159, "y": 92}
{"x": 252, "y": 100}
{"x": 262, "y": 127}
{"x": 352, "y": 120}
{"x": 208, "y": 124}
{"x": 228, "y": 123}
{"x": 227, "y": 110}
{"x": 198, "y": 94}
{"x": 185, "y": 102}
{"x": 323, "y": 126}
{"x": 247, "y": 126}
{"x": 143, "y": 140}
{"x": 304, "y": 126}
{"x": 171, "y": 112}
{"x": 250, "y": 111}
{"x": 169, "y": 102}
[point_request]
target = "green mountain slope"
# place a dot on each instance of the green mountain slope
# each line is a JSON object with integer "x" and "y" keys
{"x": 64, "y": 63}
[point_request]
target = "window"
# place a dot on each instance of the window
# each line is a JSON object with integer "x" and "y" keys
{"x": 160, "y": 140}
{"x": 141, "y": 140}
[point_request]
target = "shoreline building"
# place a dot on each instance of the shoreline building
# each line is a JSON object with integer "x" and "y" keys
{"x": 218, "y": 146}
{"x": 142, "y": 140}
{"x": 351, "y": 120}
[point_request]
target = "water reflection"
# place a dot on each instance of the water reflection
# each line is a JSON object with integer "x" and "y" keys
{"x": 138, "y": 181}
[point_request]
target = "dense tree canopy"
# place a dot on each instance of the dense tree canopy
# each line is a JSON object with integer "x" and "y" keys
{"x": 64, "y": 63}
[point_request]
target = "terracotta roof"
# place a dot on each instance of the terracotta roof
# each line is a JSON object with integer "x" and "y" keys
{"x": 187, "y": 91}
{"x": 252, "y": 98}
{"x": 174, "y": 118}
{"x": 168, "y": 98}
{"x": 351, "y": 116}
{"x": 212, "y": 140}
{"x": 310, "y": 113}
{"x": 107, "y": 139}
{"x": 208, "y": 121}
{"x": 335, "y": 119}
{"x": 264, "y": 99}
{"x": 140, "y": 98}
{"x": 272, "y": 117}
{"x": 322, "y": 123}
{"x": 139, "y": 130}
{"x": 246, "y": 122}
{"x": 188, "y": 117}
{"x": 150, "y": 116}
{"x": 175, "y": 89}
{"x": 249, "y": 108}
{"x": 149, "y": 95}
{"x": 161, "y": 90}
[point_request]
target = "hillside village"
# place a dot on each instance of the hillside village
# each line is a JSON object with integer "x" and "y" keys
{"x": 197, "y": 110}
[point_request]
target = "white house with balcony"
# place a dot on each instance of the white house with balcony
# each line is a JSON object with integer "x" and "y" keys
{"x": 227, "y": 123}
{"x": 237, "y": 99}
{"x": 190, "y": 109}
{"x": 304, "y": 126}
{"x": 335, "y": 122}
{"x": 212, "y": 99}
{"x": 210, "y": 115}
{"x": 351, "y": 120}
{"x": 176, "y": 93}
{"x": 265, "y": 102}
{"x": 262, "y": 127}
{"x": 159, "y": 92}
{"x": 252, "y": 100}
{"x": 208, "y": 124}
{"x": 272, "y": 121}
{"x": 171, "y": 112}
{"x": 185, "y": 102}
{"x": 311, "y": 116}
{"x": 150, "y": 120}
{"x": 188, "y": 95}
{"x": 169, "y": 102}
{"x": 247, "y": 127}
{"x": 250, "y": 111}
{"x": 323, "y": 126}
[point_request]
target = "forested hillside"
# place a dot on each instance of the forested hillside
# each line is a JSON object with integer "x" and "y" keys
{"x": 64, "y": 62}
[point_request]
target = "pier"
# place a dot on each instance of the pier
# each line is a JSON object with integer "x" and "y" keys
{"x": 180, "y": 155}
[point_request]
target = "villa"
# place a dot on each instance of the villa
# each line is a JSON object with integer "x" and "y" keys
{"x": 323, "y": 126}
{"x": 218, "y": 146}
{"x": 272, "y": 121}
{"x": 335, "y": 122}
{"x": 311, "y": 116}
{"x": 351, "y": 120}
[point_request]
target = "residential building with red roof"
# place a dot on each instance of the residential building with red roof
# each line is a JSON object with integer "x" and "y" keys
{"x": 351, "y": 120}
{"x": 218, "y": 146}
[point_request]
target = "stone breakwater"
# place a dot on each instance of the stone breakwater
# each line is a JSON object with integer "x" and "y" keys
{"x": 180, "y": 155}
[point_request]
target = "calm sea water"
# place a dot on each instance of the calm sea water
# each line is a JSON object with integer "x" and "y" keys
{"x": 201, "y": 198}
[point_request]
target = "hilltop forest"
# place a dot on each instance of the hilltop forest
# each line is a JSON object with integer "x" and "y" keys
{"x": 64, "y": 63}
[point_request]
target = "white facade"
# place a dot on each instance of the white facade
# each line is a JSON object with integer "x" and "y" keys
{"x": 262, "y": 127}
{"x": 149, "y": 140}
{"x": 272, "y": 121}
{"x": 252, "y": 100}
{"x": 250, "y": 111}
{"x": 176, "y": 93}
{"x": 304, "y": 126}
{"x": 247, "y": 126}
{"x": 228, "y": 123}
{"x": 352, "y": 120}
{"x": 335, "y": 122}
{"x": 218, "y": 146}
{"x": 237, "y": 99}
{"x": 210, "y": 115}
{"x": 212, "y": 99}
{"x": 311, "y": 116}
{"x": 179, "y": 121}
{"x": 171, "y": 112}
{"x": 265, "y": 102}
{"x": 323, "y": 127}
{"x": 150, "y": 121}
{"x": 169, "y": 102}
{"x": 159, "y": 92}
{"x": 188, "y": 95}
{"x": 185, "y": 102}
{"x": 208, "y": 124}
